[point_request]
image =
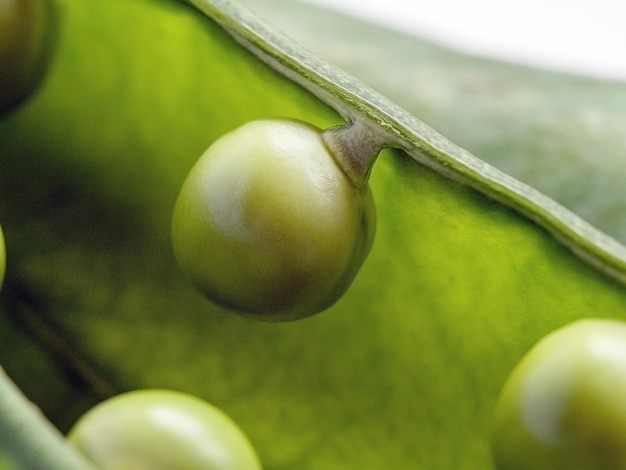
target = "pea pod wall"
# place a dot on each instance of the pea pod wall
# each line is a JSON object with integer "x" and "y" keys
{"x": 541, "y": 127}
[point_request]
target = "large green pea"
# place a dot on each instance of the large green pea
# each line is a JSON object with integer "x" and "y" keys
{"x": 268, "y": 225}
{"x": 162, "y": 430}
{"x": 26, "y": 28}
{"x": 564, "y": 405}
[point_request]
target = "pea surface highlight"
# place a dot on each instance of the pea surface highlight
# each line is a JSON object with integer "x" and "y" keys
{"x": 564, "y": 405}
{"x": 267, "y": 223}
{"x": 161, "y": 430}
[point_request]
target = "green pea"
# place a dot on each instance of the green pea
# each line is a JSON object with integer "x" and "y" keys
{"x": 2, "y": 257}
{"x": 25, "y": 42}
{"x": 267, "y": 223}
{"x": 161, "y": 430}
{"x": 564, "y": 405}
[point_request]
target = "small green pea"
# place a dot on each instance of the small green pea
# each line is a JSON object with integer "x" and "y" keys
{"x": 564, "y": 405}
{"x": 162, "y": 430}
{"x": 2, "y": 257}
{"x": 26, "y": 28}
{"x": 268, "y": 224}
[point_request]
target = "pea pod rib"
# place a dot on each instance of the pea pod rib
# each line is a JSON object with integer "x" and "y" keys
{"x": 356, "y": 101}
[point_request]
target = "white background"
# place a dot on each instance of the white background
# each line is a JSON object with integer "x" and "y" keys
{"x": 581, "y": 36}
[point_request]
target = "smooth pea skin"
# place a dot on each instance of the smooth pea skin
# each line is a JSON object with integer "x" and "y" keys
{"x": 161, "y": 430}
{"x": 564, "y": 406}
{"x": 26, "y": 28}
{"x": 267, "y": 224}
